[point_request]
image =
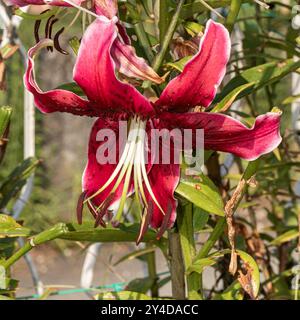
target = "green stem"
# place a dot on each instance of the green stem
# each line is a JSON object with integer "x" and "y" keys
{"x": 164, "y": 19}
{"x": 144, "y": 40}
{"x": 168, "y": 37}
{"x": 213, "y": 238}
{"x": 234, "y": 10}
{"x": 42, "y": 237}
{"x": 176, "y": 265}
{"x": 152, "y": 272}
{"x": 186, "y": 232}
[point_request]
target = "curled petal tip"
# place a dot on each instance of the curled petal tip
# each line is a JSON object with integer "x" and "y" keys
{"x": 107, "y": 8}
{"x": 201, "y": 76}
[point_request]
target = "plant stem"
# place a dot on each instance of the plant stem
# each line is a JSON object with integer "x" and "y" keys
{"x": 164, "y": 19}
{"x": 186, "y": 232}
{"x": 176, "y": 266}
{"x": 210, "y": 242}
{"x": 42, "y": 237}
{"x": 168, "y": 37}
{"x": 144, "y": 40}
{"x": 234, "y": 10}
{"x": 152, "y": 272}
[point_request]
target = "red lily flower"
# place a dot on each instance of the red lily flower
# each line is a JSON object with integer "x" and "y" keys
{"x": 124, "y": 55}
{"x": 110, "y": 100}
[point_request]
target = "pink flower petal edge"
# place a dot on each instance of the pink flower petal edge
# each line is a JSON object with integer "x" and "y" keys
{"x": 197, "y": 84}
{"x": 99, "y": 82}
{"x": 53, "y": 100}
{"x": 224, "y": 133}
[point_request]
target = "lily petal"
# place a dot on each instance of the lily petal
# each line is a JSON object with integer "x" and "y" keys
{"x": 128, "y": 63}
{"x": 95, "y": 72}
{"x": 224, "y": 133}
{"x": 96, "y": 174}
{"x": 107, "y": 8}
{"x": 163, "y": 179}
{"x": 53, "y": 100}
{"x": 22, "y": 3}
{"x": 197, "y": 84}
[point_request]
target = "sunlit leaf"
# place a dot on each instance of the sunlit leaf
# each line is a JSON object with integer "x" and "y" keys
{"x": 261, "y": 75}
{"x": 285, "y": 237}
{"x": 233, "y": 292}
{"x": 122, "y": 295}
{"x": 202, "y": 192}
{"x": 10, "y": 228}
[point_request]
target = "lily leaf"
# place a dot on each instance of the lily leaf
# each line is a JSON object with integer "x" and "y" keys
{"x": 285, "y": 237}
{"x": 73, "y": 87}
{"x": 190, "y": 9}
{"x": 10, "y": 228}
{"x": 141, "y": 285}
{"x": 227, "y": 101}
{"x": 262, "y": 75}
{"x": 135, "y": 254}
{"x": 179, "y": 64}
{"x": 200, "y": 264}
{"x": 87, "y": 232}
{"x": 74, "y": 43}
{"x": 202, "y": 192}
{"x": 233, "y": 292}
{"x": 122, "y": 295}
{"x": 13, "y": 183}
{"x": 5, "y": 116}
{"x": 251, "y": 280}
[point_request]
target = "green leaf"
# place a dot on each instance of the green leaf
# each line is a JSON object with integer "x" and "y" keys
{"x": 8, "y": 50}
{"x": 261, "y": 76}
{"x": 285, "y": 237}
{"x": 135, "y": 254}
{"x": 10, "y": 228}
{"x": 200, "y": 218}
{"x": 5, "y": 115}
{"x": 251, "y": 287}
{"x": 141, "y": 285}
{"x": 200, "y": 264}
{"x": 5, "y": 298}
{"x": 73, "y": 87}
{"x": 12, "y": 184}
{"x": 45, "y": 15}
{"x": 193, "y": 28}
{"x": 179, "y": 64}
{"x": 122, "y": 295}
{"x": 202, "y": 192}
{"x": 250, "y": 265}
{"x": 74, "y": 44}
{"x": 227, "y": 101}
{"x": 233, "y": 292}
{"x": 125, "y": 233}
{"x": 190, "y": 9}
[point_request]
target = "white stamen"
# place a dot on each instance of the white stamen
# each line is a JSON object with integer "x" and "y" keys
{"x": 122, "y": 161}
{"x": 145, "y": 177}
